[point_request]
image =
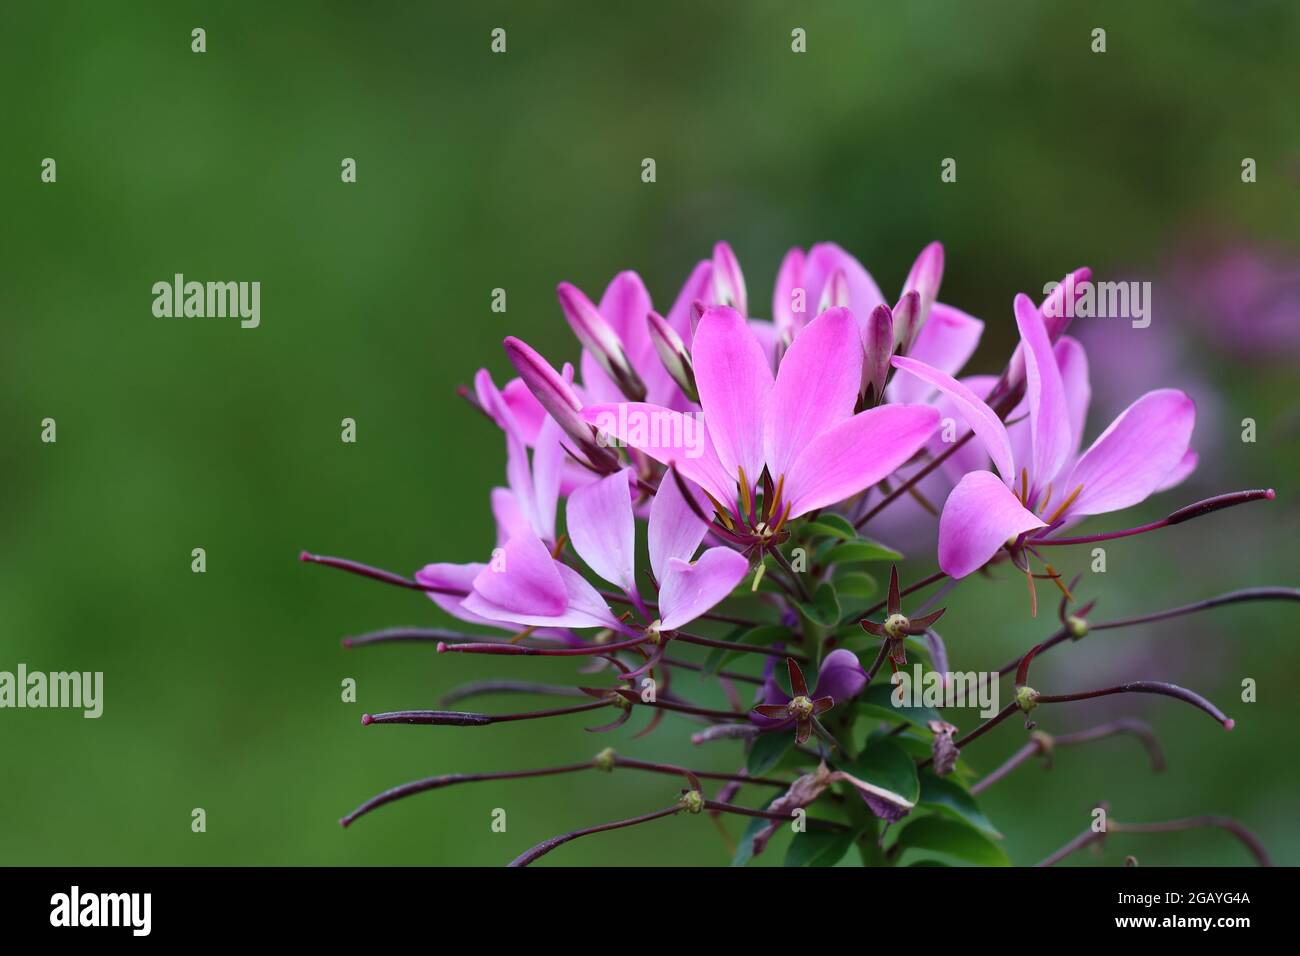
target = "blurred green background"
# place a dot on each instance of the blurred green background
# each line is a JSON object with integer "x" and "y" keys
{"x": 479, "y": 171}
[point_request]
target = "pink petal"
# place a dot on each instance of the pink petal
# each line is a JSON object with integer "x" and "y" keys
{"x": 528, "y": 582}
{"x": 454, "y": 577}
{"x": 789, "y": 279}
{"x": 822, "y": 262}
{"x": 601, "y": 527}
{"x": 698, "y": 286}
{"x": 549, "y": 459}
{"x": 527, "y": 410}
{"x": 510, "y": 518}
{"x": 946, "y": 342}
{"x": 728, "y": 280}
{"x": 816, "y": 387}
{"x": 674, "y": 529}
{"x": 669, "y": 437}
{"x": 1132, "y": 458}
{"x": 735, "y": 383}
{"x": 1049, "y": 417}
{"x": 583, "y": 606}
{"x": 855, "y": 454}
{"x": 972, "y": 456}
{"x": 841, "y": 676}
{"x": 988, "y": 427}
{"x": 980, "y": 516}
{"x": 689, "y": 590}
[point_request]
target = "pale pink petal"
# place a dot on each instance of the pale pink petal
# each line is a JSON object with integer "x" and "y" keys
{"x": 735, "y": 383}
{"x": 855, "y": 454}
{"x": 980, "y": 516}
{"x": 1132, "y": 458}
{"x": 689, "y": 590}
{"x": 988, "y": 427}
{"x": 1049, "y": 417}
{"x": 946, "y": 342}
{"x": 549, "y": 460}
{"x": 674, "y": 529}
{"x": 510, "y": 518}
{"x": 525, "y": 579}
{"x": 601, "y": 527}
{"x": 453, "y": 577}
{"x": 527, "y": 410}
{"x": 1184, "y": 468}
{"x": 583, "y": 606}
{"x": 728, "y": 280}
{"x": 816, "y": 387}
{"x": 971, "y": 456}
{"x": 669, "y": 437}
{"x": 766, "y": 334}
{"x": 1072, "y": 360}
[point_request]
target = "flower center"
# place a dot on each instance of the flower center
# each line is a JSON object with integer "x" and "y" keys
{"x": 800, "y": 707}
{"x": 896, "y": 626}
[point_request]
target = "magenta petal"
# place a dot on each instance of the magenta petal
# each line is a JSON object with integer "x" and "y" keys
{"x": 601, "y": 527}
{"x": 689, "y": 590}
{"x": 527, "y": 410}
{"x": 1049, "y": 417}
{"x": 816, "y": 387}
{"x": 855, "y": 454}
{"x": 453, "y": 577}
{"x": 674, "y": 529}
{"x": 728, "y": 280}
{"x": 735, "y": 383}
{"x": 985, "y": 422}
{"x": 980, "y": 516}
{"x": 841, "y": 676}
{"x": 1132, "y": 458}
{"x": 669, "y": 437}
{"x": 523, "y": 577}
{"x": 824, "y": 260}
{"x": 946, "y": 342}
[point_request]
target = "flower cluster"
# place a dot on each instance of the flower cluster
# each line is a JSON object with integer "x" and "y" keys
{"x": 754, "y": 453}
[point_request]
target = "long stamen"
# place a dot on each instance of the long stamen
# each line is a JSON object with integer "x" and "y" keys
{"x": 746, "y": 498}
{"x": 1195, "y": 510}
{"x": 1064, "y": 506}
{"x": 377, "y": 574}
{"x": 525, "y": 650}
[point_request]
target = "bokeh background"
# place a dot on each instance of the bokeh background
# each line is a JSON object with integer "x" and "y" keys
{"x": 479, "y": 171}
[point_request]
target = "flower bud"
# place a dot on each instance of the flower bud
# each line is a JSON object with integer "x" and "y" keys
{"x": 600, "y": 340}
{"x": 559, "y": 399}
{"x": 924, "y": 279}
{"x": 728, "y": 280}
{"x": 877, "y": 349}
{"x": 672, "y": 352}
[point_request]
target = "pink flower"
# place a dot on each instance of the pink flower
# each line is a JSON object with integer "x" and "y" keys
{"x": 1044, "y": 484}
{"x": 799, "y": 427}
{"x": 530, "y": 587}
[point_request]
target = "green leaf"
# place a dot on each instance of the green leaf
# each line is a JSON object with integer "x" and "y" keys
{"x": 832, "y": 525}
{"x": 876, "y": 700}
{"x": 768, "y": 750}
{"x": 885, "y": 764}
{"x": 819, "y": 847}
{"x": 824, "y": 608}
{"x": 951, "y": 838}
{"x": 763, "y": 635}
{"x": 952, "y": 799}
{"x": 855, "y": 584}
{"x": 860, "y": 551}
